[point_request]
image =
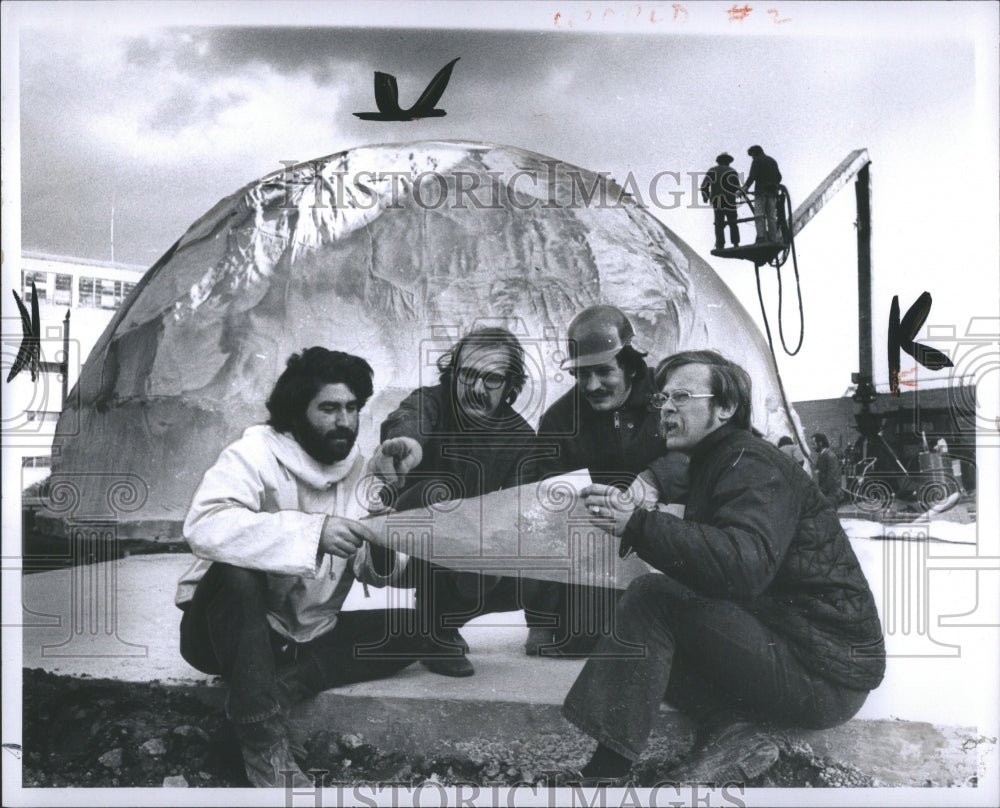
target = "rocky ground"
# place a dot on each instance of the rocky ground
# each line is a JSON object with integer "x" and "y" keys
{"x": 101, "y": 733}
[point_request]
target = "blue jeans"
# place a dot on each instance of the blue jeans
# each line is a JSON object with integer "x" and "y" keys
{"x": 702, "y": 656}
{"x": 225, "y": 631}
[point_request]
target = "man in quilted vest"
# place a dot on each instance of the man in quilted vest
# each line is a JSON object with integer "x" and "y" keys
{"x": 760, "y": 613}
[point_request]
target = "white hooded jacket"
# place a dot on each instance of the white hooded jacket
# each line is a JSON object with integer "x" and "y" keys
{"x": 262, "y": 506}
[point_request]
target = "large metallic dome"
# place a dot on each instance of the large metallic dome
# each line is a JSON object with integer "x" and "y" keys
{"x": 390, "y": 252}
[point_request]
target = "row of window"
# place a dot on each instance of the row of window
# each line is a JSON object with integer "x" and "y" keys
{"x": 40, "y": 462}
{"x": 97, "y": 293}
{"x": 42, "y": 415}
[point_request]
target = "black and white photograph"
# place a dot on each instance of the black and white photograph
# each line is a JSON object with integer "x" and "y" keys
{"x": 500, "y": 403}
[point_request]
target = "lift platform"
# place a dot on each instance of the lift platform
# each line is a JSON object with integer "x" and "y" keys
{"x": 760, "y": 252}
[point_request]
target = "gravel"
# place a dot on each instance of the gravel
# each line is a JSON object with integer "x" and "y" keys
{"x": 100, "y": 733}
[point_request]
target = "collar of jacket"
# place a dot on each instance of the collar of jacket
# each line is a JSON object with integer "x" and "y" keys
{"x": 297, "y": 460}
{"x": 711, "y": 441}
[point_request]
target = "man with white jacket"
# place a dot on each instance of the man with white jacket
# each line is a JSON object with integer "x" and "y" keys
{"x": 273, "y": 526}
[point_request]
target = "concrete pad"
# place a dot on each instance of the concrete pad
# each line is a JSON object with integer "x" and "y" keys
{"x": 933, "y": 719}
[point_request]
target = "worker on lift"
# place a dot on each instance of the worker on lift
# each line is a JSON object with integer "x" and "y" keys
{"x": 720, "y": 187}
{"x": 765, "y": 177}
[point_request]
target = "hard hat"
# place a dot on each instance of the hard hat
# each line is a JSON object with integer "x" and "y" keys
{"x": 596, "y": 336}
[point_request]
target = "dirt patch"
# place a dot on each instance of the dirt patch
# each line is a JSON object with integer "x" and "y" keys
{"x": 100, "y": 733}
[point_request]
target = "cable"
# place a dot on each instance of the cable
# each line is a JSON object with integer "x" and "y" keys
{"x": 777, "y": 262}
{"x": 798, "y": 285}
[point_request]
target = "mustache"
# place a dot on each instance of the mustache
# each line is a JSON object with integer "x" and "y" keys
{"x": 340, "y": 433}
{"x": 475, "y": 398}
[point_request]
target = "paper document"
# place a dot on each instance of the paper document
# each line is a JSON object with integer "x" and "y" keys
{"x": 540, "y": 530}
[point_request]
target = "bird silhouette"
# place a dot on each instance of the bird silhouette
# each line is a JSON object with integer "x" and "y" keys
{"x": 30, "y": 353}
{"x": 387, "y": 98}
{"x": 901, "y": 334}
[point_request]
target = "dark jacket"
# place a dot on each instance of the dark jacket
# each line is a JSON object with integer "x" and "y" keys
{"x": 461, "y": 458}
{"x": 615, "y": 446}
{"x": 828, "y": 473}
{"x": 720, "y": 186}
{"x": 757, "y": 531}
{"x": 764, "y": 174}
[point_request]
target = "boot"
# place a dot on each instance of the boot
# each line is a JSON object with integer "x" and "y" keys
{"x": 735, "y": 752}
{"x": 448, "y": 655}
{"x": 267, "y": 755}
{"x": 537, "y": 639}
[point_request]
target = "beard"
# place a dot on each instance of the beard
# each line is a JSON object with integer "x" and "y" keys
{"x": 327, "y": 447}
{"x": 474, "y": 403}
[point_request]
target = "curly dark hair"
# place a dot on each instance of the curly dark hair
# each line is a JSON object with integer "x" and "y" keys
{"x": 730, "y": 383}
{"x": 305, "y": 374}
{"x": 821, "y": 440}
{"x": 493, "y": 338}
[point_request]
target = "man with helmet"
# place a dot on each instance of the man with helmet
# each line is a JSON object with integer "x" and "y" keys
{"x": 604, "y": 424}
{"x": 720, "y": 187}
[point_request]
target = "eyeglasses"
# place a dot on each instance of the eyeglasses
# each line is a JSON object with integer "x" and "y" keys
{"x": 492, "y": 380}
{"x": 657, "y": 401}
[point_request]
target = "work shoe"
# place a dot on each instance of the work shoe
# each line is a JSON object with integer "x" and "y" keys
{"x": 451, "y": 636}
{"x": 446, "y": 655}
{"x": 267, "y": 755}
{"x": 735, "y": 753}
{"x": 458, "y": 666}
{"x": 538, "y": 637}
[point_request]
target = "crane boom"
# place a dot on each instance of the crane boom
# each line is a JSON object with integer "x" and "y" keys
{"x": 835, "y": 180}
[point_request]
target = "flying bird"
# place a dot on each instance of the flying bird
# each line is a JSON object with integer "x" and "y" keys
{"x": 901, "y": 334}
{"x": 30, "y": 353}
{"x": 387, "y": 98}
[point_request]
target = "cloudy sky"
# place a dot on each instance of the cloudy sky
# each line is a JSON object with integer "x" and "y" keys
{"x": 157, "y": 111}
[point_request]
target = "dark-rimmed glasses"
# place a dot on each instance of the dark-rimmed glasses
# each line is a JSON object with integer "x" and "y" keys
{"x": 492, "y": 380}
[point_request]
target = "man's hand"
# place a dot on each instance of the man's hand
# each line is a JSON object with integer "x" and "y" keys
{"x": 342, "y": 537}
{"x": 394, "y": 459}
{"x": 609, "y": 507}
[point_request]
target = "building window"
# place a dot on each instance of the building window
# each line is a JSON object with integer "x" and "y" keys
{"x": 102, "y": 293}
{"x": 64, "y": 290}
{"x": 42, "y": 415}
{"x": 40, "y": 279}
{"x": 41, "y": 461}
{"x": 87, "y": 295}
{"x": 108, "y": 298}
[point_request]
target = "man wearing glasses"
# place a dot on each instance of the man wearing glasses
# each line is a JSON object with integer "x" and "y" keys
{"x": 760, "y": 611}
{"x": 456, "y": 439}
{"x": 605, "y": 426}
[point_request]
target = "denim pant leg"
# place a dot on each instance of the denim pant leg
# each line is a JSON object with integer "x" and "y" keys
{"x": 225, "y": 631}
{"x": 620, "y": 687}
{"x": 695, "y": 651}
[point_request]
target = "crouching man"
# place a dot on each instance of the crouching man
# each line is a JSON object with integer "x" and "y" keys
{"x": 760, "y": 613}
{"x": 277, "y": 552}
